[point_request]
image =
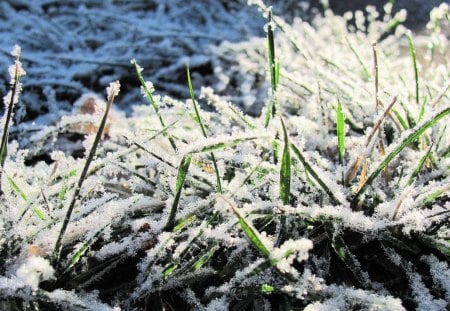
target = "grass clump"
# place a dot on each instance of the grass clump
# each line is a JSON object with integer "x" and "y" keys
{"x": 183, "y": 208}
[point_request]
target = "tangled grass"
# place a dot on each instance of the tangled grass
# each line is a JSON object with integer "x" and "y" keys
{"x": 336, "y": 197}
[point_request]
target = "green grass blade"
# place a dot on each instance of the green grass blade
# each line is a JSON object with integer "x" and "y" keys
{"x": 434, "y": 195}
{"x": 200, "y": 121}
{"x": 402, "y": 121}
{"x": 408, "y": 140}
{"x": 38, "y": 212}
{"x": 181, "y": 176}
{"x": 169, "y": 270}
{"x": 62, "y": 192}
{"x": 151, "y": 99}
{"x": 77, "y": 256}
{"x": 412, "y": 52}
{"x": 419, "y": 166}
{"x": 224, "y": 144}
{"x": 252, "y": 234}
{"x": 17, "y": 189}
{"x": 285, "y": 172}
{"x": 267, "y": 289}
{"x": 365, "y": 71}
{"x": 271, "y": 53}
{"x": 340, "y": 132}
{"x": 314, "y": 174}
{"x": 194, "y": 103}
{"x": 273, "y": 69}
{"x": 113, "y": 91}
{"x": 204, "y": 259}
{"x": 22, "y": 194}
{"x": 241, "y": 116}
{"x": 183, "y": 223}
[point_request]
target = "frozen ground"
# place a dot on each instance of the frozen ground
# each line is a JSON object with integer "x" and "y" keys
{"x": 73, "y": 47}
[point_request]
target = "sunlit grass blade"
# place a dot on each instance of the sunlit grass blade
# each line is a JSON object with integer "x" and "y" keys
{"x": 419, "y": 166}
{"x": 202, "y": 126}
{"x": 241, "y": 116}
{"x": 250, "y": 231}
{"x": 181, "y": 176}
{"x": 402, "y": 121}
{"x": 285, "y": 172}
{"x": 113, "y": 91}
{"x": 412, "y": 52}
{"x": 267, "y": 289}
{"x": 314, "y": 174}
{"x": 17, "y": 189}
{"x": 340, "y": 134}
{"x": 408, "y": 140}
{"x": 149, "y": 94}
{"x": 169, "y": 270}
{"x": 24, "y": 197}
{"x": 436, "y": 193}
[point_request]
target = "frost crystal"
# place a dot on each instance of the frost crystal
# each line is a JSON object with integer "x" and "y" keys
{"x": 113, "y": 89}
{"x": 35, "y": 270}
{"x": 16, "y": 51}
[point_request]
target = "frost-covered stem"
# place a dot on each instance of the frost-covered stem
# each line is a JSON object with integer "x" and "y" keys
{"x": 375, "y": 72}
{"x": 151, "y": 99}
{"x": 113, "y": 91}
{"x": 197, "y": 113}
{"x": 408, "y": 140}
{"x": 412, "y": 52}
{"x": 18, "y": 72}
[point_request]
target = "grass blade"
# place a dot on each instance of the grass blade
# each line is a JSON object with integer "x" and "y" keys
{"x": 64, "y": 188}
{"x": 365, "y": 71}
{"x": 402, "y": 121}
{"x": 314, "y": 174}
{"x": 76, "y": 257}
{"x": 408, "y": 140}
{"x": 151, "y": 99}
{"x": 228, "y": 143}
{"x": 22, "y": 194}
{"x": 181, "y": 176}
{"x": 419, "y": 166}
{"x": 205, "y": 257}
{"x": 362, "y": 159}
{"x": 241, "y": 116}
{"x": 250, "y": 231}
{"x": 197, "y": 114}
{"x": 17, "y": 189}
{"x": 273, "y": 69}
{"x": 13, "y": 99}
{"x": 112, "y": 91}
{"x": 412, "y": 52}
{"x": 285, "y": 172}
{"x": 340, "y": 132}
